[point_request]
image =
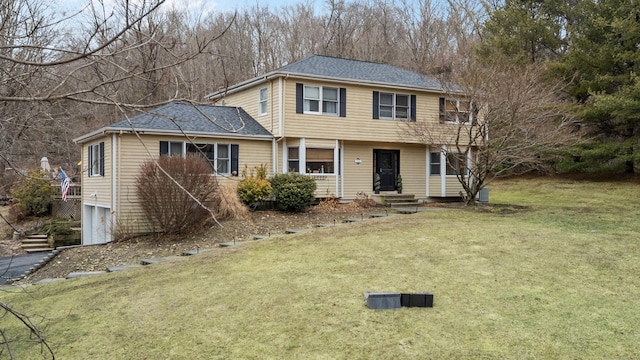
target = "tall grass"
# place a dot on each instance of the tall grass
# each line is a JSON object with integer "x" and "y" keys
{"x": 547, "y": 271}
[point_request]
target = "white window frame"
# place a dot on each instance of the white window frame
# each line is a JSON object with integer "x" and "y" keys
{"x": 263, "y": 95}
{"x": 217, "y": 160}
{"x": 96, "y": 160}
{"x": 394, "y": 106}
{"x": 321, "y": 100}
{"x": 220, "y": 160}
{"x": 456, "y": 103}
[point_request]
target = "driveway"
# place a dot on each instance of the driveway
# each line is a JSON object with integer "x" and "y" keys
{"x": 13, "y": 267}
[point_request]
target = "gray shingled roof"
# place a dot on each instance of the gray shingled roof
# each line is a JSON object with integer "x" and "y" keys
{"x": 358, "y": 70}
{"x": 179, "y": 116}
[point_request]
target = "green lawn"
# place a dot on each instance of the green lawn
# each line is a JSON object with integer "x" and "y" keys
{"x": 553, "y": 272}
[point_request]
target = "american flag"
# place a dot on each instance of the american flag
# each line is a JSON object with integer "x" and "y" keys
{"x": 65, "y": 183}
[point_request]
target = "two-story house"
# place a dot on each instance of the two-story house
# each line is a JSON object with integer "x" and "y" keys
{"x": 342, "y": 121}
{"x": 339, "y": 121}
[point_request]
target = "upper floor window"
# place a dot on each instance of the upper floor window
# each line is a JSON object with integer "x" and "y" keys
{"x": 96, "y": 159}
{"x": 321, "y": 100}
{"x": 222, "y": 157}
{"x": 458, "y": 111}
{"x": 262, "y": 101}
{"x": 394, "y": 106}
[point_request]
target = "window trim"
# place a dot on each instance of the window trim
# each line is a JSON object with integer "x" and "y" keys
{"x": 232, "y": 151}
{"x": 321, "y": 100}
{"x": 410, "y": 107}
{"x": 95, "y": 165}
{"x": 263, "y": 102}
{"x": 472, "y": 111}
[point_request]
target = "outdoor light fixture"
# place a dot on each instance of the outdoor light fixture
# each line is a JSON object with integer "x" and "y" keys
{"x": 358, "y": 161}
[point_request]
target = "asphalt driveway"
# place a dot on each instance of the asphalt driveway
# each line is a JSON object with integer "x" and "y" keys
{"x": 13, "y": 267}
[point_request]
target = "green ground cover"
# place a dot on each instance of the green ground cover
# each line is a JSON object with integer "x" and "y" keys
{"x": 549, "y": 270}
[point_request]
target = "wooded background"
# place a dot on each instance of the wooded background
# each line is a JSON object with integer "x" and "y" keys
{"x": 63, "y": 74}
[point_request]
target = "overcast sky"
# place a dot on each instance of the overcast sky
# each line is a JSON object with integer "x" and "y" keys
{"x": 201, "y": 6}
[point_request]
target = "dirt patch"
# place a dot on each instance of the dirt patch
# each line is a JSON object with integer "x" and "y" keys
{"x": 131, "y": 251}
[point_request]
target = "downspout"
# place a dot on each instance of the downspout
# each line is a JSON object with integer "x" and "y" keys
{"x": 114, "y": 191}
{"x": 281, "y": 89}
{"x": 274, "y": 155}
{"x": 443, "y": 171}
{"x": 336, "y": 158}
{"x": 427, "y": 170}
{"x": 342, "y": 169}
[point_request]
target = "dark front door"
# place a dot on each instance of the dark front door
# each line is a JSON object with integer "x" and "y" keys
{"x": 387, "y": 165}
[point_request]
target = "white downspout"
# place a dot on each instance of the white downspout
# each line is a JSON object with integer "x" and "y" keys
{"x": 114, "y": 183}
{"x": 443, "y": 171}
{"x": 342, "y": 169}
{"x": 336, "y": 160}
{"x": 281, "y": 107}
{"x": 274, "y": 155}
{"x": 302, "y": 157}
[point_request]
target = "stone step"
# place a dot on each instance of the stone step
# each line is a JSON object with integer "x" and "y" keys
{"x": 405, "y": 204}
{"x": 37, "y": 236}
{"x": 37, "y": 249}
{"x": 35, "y": 241}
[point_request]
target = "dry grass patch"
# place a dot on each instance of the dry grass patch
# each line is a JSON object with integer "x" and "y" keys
{"x": 506, "y": 286}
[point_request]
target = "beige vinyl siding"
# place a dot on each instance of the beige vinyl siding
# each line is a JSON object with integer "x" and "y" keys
{"x": 248, "y": 100}
{"x": 98, "y": 185}
{"x": 435, "y": 186}
{"x": 453, "y": 186}
{"x": 413, "y": 169}
{"x": 325, "y": 186}
{"x": 359, "y": 123}
{"x": 132, "y": 154}
{"x": 320, "y": 143}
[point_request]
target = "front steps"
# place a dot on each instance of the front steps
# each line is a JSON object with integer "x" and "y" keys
{"x": 36, "y": 243}
{"x": 395, "y": 200}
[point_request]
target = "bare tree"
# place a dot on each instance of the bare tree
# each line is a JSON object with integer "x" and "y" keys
{"x": 499, "y": 119}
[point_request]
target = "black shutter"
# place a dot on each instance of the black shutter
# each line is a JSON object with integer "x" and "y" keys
{"x": 299, "y": 99}
{"x": 90, "y": 160}
{"x": 102, "y": 158}
{"x": 164, "y": 147}
{"x": 234, "y": 159}
{"x": 413, "y": 108}
{"x": 343, "y": 102}
{"x": 376, "y": 105}
{"x": 475, "y": 112}
{"x": 442, "y": 110}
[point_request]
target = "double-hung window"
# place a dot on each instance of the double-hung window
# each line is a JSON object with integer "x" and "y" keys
{"x": 262, "y": 101}
{"x": 321, "y": 100}
{"x": 434, "y": 162}
{"x": 394, "y": 106}
{"x": 457, "y": 111}
{"x": 222, "y": 157}
{"x": 96, "y": 159}
{"x": 456, "y": 163}
{"x": 294, "y": 159}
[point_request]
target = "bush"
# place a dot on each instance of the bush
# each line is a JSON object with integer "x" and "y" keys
{"x": 167, "y": 206}
{"x": 228, "y": 204}
{"x": 33, "y": 194}
{"x": 254, "y": 188}
{"x": 293, "y": 191}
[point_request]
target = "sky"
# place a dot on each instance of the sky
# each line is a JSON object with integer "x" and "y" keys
{"x": 200, "y": 6}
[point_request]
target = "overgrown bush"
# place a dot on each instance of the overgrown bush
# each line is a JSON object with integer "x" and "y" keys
{"x": 293, "y": 191}
{"x": 228, "y": 204}
{"x": 33, "y": 194}
{"x": 167, "y": 206}
{"x": 256, "y": 187}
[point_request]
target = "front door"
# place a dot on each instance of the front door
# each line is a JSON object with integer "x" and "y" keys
{"x": 387, "y": 165}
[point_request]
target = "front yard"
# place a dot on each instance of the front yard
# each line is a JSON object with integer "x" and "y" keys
{"x": 549, "y": 271}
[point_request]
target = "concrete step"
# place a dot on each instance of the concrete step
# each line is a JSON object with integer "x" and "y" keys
{"x": 37, "y": 249}
{"x": 35, "y": 241}
{"x": 32, "y": 237}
